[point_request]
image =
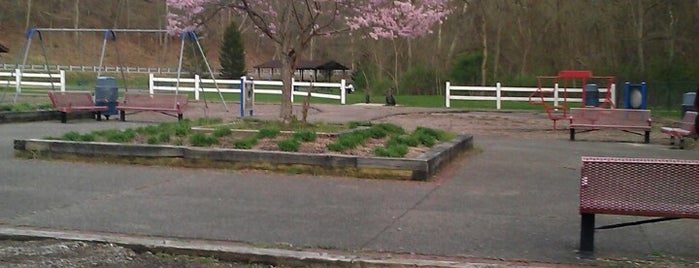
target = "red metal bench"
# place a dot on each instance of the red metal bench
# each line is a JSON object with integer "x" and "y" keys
{"x": 686, "y": 128}
{"x": 75, "y": 101}
{"x": 169, "y": 104}
{"x": 667, "y": 188}
{"x": 628, "y": 120}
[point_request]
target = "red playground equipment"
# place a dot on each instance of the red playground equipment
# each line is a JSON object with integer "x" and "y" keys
{"x": 556, "y": 106}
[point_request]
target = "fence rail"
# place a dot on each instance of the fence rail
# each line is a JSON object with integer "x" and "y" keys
{"x": 500, "y": 94}
{"x": 89, "y": 68}
{"x": 197, "y": 85}
{"x": 27, "y": 80}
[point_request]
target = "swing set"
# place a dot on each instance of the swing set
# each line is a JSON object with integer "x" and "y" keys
{"x": 111, "y": 35}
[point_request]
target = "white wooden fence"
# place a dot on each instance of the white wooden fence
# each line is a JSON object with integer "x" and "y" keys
{"x": 500, "y": 94}
{"x": 19, "y": 80}
{"x": 198, "y": 85}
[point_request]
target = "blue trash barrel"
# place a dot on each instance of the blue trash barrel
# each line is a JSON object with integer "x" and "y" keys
{"x": 107, "y": 94}
{"x": 688, "y": 102}
{"x": 591, "y": 95}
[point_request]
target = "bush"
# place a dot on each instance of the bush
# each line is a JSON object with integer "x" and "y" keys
{"x": 409, "y": 140}
{"x": 305, "y": 135}
{"x": 221, "y": 132}
{"x": 395, "y": 150}
{"x": 152, "y": 140}
{"x": 164, "y": 137}
{"x": 289, "y": 145}
{"x": 120, "y": 136}
{"x": 183, "y": 129}
{"x": 200, "y": 139}
{"x": 348, "y": 141}
{"x": 75, "y": 136}
{"x": 390, "y": 128}
{"x": 247, "y": 143}
{"x": 267, "y": 133}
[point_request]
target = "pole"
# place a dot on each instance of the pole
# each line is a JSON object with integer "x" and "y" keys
{"x": 213, "y": 77}
{"x": 104, "y": 47}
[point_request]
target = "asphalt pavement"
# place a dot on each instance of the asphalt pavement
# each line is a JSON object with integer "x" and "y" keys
{"x": 516, "y": 199}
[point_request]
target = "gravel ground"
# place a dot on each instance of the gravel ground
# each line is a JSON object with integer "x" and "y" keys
{"x": 58, "y": 254}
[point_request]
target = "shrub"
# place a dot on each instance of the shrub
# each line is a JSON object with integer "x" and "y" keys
{"x": 395, "y": 150}
{"x": 221, "y": 132}
{"x": 164, "y": 137}
{"x": 246, "y": 143}
{"x": 437, "y": 134}
{"x": 305, "y": 135}
{"x": 150, "y": 130}
{"x": 377, "y": 132}
{"x": 348, "y": 141}
{"x": 409, "y": 140}
{"x": 152, "y": 140}
{"x": 119, "y": 136}
{"x": 71, "y": 136}
{"x": 390, "y": 128}
{"x": 182, "y": 129}
{"x": 267, "y": 133}
{"x": 289, "y": 145}
{"x": 200, "y": 139}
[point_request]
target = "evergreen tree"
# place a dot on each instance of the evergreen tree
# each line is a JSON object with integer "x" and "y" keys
{"x": 232, "y": 53}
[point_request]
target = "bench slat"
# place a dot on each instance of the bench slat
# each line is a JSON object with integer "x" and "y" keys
{"x": 164, "y": 103}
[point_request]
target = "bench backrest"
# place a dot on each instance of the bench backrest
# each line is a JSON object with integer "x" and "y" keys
{"x": 71, "y": 98}
{"x": 640, "y": 186}
{"x": 614, "y": 117}
{"x": 688, "y": 121}
{"x": 168, "y": 101}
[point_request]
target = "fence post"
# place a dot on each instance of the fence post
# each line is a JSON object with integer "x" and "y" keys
{"x": 555, "y": 95}
{"x": 151, "y": 83}
{"x": 613, "y": 95}
{"x": 498, "y": 95}
{"x": 197, "y": 86}
{"x": 448, "y": 94}
{"x": 343, "y": 91}
{"x": 18, "y": 81}
{"x": 63, "y": 81}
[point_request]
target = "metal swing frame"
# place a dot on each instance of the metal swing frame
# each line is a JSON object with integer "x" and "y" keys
{"x": 112, "y": 33}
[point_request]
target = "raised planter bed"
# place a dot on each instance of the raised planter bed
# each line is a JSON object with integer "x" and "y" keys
{"x": 419, "y": 168}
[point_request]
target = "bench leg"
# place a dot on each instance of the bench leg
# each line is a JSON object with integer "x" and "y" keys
{"x": 64, "y": 117}
{"x": 122, "y": 115}
{"x": 98, "y": 116}
{"x": 672, "y": 140}
{"x": 646, "y": 137}
{"x": 179, "y": 117}
{"x": 681, "y": 142}
{"x": 572, "y": 134}
{"x": 587, "y": 232}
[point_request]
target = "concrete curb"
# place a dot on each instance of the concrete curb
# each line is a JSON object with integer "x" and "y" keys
{"x": 231, "y": 251}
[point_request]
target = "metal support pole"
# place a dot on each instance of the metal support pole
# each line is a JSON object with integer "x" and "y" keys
{"x": 196, "y": 40}
{"x": 587, "y": 232}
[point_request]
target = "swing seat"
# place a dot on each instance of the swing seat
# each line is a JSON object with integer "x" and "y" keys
{"x": 168, "y": 104}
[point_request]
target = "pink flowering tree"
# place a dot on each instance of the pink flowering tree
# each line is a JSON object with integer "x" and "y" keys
{"x": 292, "y": 24}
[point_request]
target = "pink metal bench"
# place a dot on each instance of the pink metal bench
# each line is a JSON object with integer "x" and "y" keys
{"x": 169, "y": 104}
{"x": 667, "y": 188}
{"x": 628, "y": 120}
{"x": 75, "y": 101}
{"x": 686, "y": 128}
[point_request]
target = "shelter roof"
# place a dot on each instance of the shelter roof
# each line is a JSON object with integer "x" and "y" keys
{"x": 305, "y": 65}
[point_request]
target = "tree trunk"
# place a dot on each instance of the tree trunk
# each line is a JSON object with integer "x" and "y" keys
{"x": 76, "y": 21}
{"x": 288, "y": 59}
{"x": 484, "y": 62}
